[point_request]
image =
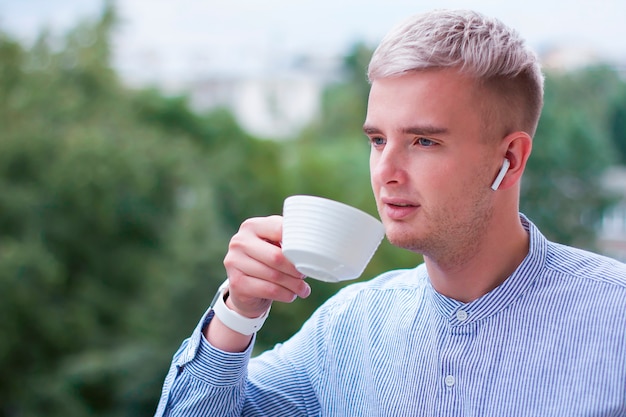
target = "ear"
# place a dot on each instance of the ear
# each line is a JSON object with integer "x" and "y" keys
{"x": 517, "y": 147}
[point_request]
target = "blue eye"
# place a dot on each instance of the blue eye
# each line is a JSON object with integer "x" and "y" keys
{"x": 377, "y": 141}
{"x": 425, "y": 142}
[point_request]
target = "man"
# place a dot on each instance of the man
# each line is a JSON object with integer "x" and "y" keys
{"x": 498, "y": 321}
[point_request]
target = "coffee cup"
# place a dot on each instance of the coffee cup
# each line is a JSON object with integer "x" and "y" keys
{"x": 328, "y": 240}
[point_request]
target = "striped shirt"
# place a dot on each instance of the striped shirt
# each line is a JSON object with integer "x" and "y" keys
{"x": 549, "y": 341}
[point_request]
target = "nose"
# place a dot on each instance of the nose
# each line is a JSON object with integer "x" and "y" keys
{"x": 387, "y": 166}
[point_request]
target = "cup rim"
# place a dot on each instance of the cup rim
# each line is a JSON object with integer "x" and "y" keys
{"x": 328, "y": 201}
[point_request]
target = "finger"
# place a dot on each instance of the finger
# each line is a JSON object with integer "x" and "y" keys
{"x": 268, "y": 228}
{"x": 257, "y": 239}
{"x": 252, "y": 296}
{"x": 241, "y": 250}
{"x": 245, "y": 267}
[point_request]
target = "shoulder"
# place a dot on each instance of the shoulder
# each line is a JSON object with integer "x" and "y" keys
{"x": 391, "y": 281}
{"x": 385, "y": 291}
{"x": 585, "y": 266}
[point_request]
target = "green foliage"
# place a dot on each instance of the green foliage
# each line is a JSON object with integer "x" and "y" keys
{"x": 562, "y": 190}
{"x": 105, "y": 224}
{"x": 617, "y": 122}
{"x": 83, "y": 225}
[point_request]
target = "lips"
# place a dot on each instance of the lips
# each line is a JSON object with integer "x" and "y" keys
{"x": 400, "y": 202}
{"x": 397, "y": 208}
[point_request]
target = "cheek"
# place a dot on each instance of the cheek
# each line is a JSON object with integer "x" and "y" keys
{"x": 372, "y": 166}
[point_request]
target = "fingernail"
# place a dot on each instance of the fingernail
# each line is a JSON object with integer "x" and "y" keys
{"x": 307, "y": 290}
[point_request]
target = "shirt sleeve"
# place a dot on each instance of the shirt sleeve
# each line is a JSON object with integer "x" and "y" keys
{"x": 205, "y": 381}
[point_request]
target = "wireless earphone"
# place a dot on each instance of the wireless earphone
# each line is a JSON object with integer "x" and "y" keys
{"x": 500, "y": 177}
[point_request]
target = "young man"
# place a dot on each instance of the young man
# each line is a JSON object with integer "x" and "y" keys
{"x": 498, "y": 321}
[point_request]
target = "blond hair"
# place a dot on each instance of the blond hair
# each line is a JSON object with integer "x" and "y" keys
{"x": 480, "y": 47}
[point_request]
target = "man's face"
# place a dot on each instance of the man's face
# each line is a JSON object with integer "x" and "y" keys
{"x": 431, "y": 165}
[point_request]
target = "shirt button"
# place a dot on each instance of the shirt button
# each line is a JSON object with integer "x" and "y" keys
{"x": 461, "y": 315}
{"x": 449, "y": 380}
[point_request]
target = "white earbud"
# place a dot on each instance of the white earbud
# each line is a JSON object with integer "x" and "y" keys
{"x": 500, "y": 177}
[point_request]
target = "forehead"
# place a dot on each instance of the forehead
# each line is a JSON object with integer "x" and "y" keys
{"x": 442, "y": 99}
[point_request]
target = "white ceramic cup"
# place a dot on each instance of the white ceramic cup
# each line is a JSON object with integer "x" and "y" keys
{"x": 328, "y": 240}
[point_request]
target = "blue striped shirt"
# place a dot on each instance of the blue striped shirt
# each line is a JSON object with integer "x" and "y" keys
{"x": 549, "y": 341}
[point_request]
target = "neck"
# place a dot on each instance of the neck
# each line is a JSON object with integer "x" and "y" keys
{"x": 489, "y": 264}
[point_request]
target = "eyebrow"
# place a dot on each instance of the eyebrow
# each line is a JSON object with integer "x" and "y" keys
{"x": 426, "y": 130}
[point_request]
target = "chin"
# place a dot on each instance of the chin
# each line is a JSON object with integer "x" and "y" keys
{"x": 405, "y": 241}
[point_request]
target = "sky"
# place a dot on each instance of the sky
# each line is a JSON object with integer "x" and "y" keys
{"x": 184, "y": 39}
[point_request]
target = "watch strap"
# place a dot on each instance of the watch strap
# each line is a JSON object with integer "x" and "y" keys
{"x": 233, "y": 320}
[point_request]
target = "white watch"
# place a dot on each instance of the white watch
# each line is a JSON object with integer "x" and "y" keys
{"x": 232, "y": 319}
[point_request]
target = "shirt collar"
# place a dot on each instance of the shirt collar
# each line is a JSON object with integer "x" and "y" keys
{"x": 506, "y": 293}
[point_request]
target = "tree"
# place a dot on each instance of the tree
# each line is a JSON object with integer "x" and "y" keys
{"x": 562, "y": 190}
{"x": 90, "y": 206}
{"x": 618, "y": 123}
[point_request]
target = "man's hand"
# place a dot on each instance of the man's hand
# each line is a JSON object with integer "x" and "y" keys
{"x": 258, "y": 274}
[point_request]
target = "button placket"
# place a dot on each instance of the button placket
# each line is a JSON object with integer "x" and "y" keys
{"x": 460, "y": 334}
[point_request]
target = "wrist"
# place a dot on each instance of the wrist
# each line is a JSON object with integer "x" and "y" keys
{"x": 231, "y": 318}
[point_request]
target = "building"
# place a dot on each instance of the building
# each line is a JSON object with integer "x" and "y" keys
{"x": 275, "y": 107}
{"x": 274, "y": 104}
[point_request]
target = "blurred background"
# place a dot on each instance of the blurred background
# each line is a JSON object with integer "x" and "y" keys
{"x": 136, "y": 135}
